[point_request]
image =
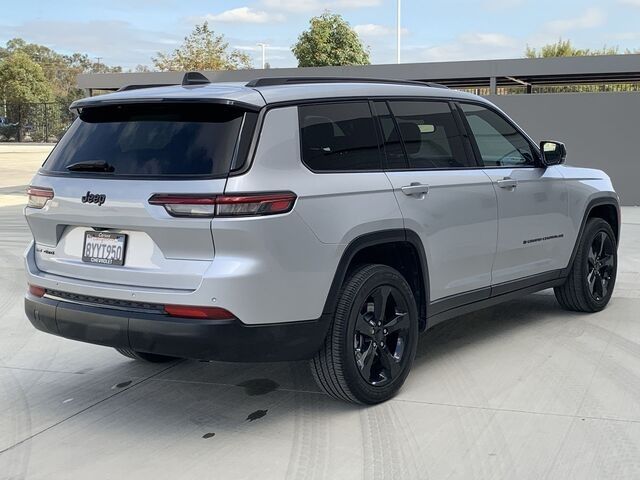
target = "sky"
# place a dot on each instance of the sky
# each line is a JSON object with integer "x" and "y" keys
{"x": 130, "y": 32}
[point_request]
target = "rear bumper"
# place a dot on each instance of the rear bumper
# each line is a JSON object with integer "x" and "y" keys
{"x": 226, "y": 340}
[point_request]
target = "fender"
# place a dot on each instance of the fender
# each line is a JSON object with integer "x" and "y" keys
{"x": 597, "y": 200}
{"x": 368, "y": 240}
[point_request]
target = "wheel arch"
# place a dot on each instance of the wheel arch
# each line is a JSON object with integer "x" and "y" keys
{"x": 399, "y": 248}
{"x": 604, "y": 206}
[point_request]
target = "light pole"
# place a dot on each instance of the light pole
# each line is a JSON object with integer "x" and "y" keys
{"x": 264, "y": 47}
{"x": 398, "y": 31}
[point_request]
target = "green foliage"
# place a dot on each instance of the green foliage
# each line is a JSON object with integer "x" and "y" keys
{"x": 564, "y": 48}
{"x": 330, "y": 41}
{"x": 37, "y": 85}
{"x": 59, "y": 70}
{"x": 202, "y": 50}
{"x": 22, "y": 80}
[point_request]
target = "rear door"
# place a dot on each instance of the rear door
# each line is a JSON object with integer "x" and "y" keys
{"x": 532, "y": 200}
{"x": 100, "y": 225}
{"x": 443, "y": 195}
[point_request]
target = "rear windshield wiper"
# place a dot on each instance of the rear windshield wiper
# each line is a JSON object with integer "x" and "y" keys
{"x": 91, "y": 166}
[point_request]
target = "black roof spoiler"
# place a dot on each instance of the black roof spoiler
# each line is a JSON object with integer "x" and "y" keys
{"x": 272, "y": 81}
{"x": 190, "y": 78}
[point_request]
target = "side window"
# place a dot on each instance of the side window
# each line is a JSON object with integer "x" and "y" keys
{"x": 338, "y": 137}
{"x": 499, "y": 143}
{"x": 391, "y": 138}
{"x": 429, "y": 134}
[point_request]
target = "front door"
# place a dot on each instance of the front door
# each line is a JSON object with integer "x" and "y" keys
{"x": 532, "y": 200}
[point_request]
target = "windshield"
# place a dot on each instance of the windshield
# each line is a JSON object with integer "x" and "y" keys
{"x": 149, "y": 140}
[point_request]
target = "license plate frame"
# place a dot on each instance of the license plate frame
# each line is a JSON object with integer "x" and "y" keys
{"x": 111, "y": 241}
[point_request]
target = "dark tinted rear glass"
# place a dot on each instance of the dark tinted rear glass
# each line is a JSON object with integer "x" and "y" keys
{"x": 151, "y": 140}
{"x": 339, "y": 137}
{"x": 430, "y": 135}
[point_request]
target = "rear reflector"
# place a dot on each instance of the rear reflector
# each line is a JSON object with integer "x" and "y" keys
{"x": 225, "y": 205}
{"x": 186, "y": 311}
{"x": 36, "y": 291}
{"x": 38, "y": 196}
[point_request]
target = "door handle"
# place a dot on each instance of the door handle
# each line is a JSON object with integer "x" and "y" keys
{"x": 416, "y": 189}
{"x": 507, "y": 182}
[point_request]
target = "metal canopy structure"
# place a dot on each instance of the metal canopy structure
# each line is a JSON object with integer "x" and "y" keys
{"x": 491, "y": 74}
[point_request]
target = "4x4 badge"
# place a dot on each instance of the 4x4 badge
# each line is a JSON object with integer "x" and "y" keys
{"x": 98, "y": 198}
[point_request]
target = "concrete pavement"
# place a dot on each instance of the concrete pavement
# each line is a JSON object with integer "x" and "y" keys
{"x": 523, "y": 390}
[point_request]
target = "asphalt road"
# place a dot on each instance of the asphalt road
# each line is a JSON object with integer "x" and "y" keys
{"x": 523, "y": 390}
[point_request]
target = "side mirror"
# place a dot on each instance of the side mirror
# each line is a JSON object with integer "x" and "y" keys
{"x": 553, "y": 153}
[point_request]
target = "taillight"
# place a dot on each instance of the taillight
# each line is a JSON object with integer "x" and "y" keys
{"x": 36, "y": 291}
{"x": 186, "y": 205}
{"x": 260, "y": 204}
{"x": 253, "y": 204}
{"x": 39, "y": 196}
{"x": 210, "y": 313}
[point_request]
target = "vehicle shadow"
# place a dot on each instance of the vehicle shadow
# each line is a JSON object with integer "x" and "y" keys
{"x": 191, "y": 401}
{"x": 486, "y": 324}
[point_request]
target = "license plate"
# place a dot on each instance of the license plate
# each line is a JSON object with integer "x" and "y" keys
{"x": 104, "y": 248}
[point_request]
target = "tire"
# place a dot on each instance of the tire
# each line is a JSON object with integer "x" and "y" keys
{"x": 366, "y": 356}
{"x": 593, "y": 265}
{"x": 146, "y": 357}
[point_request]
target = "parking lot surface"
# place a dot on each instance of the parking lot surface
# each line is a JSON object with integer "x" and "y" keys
{"x": 523, "y": 390}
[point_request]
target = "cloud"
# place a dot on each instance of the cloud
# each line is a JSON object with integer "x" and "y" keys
{"x": 488, "y": 39}
{"x": 625, "y": 36}
{"x": 116, "y": 42}
{"x": 375, "y": 30}
{"x": 318, "y": 5}
{"x": 467, "y": 46}
{"x": 633, "y": 3}
{"x": 592, "y": 17}
{"x": 244, "y": 15}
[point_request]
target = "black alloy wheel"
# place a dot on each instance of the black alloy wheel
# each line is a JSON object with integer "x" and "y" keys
{"x": 590, "y": 282}
{"x": 372, "y": 342}
{"x": 381, "y": 335}
{"x": 600, "y": 265}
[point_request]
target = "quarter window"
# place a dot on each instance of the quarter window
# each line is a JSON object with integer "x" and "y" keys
{"x": 429, "y": 134}
{"x": 499, "y": 143}
{"x": 338, "y": 137}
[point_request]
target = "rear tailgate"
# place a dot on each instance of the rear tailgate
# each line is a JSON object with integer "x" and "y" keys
{"x": 102, "y": 174}
{"x": 160, "y": 251}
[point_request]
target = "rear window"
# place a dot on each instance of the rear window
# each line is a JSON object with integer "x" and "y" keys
{"x": 150, "y": 141}
{"x": 338, "y": 137}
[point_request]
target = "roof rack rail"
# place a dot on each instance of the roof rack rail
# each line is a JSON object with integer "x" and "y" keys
{"x": 272, "y": 81}
{"x": 194, "y": 78}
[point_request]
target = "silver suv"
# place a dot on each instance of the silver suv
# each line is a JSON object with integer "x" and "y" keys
{"x": 288, "y": 219}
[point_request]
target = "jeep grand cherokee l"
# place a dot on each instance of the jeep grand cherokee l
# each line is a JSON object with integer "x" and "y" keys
{"x": 323, "y": 219}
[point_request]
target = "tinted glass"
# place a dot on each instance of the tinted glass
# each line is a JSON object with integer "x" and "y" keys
{"x": 392, "y": 144}
{"x": 429, "y": 134}
{"x": 338, "y": 137}
{"x": 500, "y": 144}
{"x": 151, "y": 140}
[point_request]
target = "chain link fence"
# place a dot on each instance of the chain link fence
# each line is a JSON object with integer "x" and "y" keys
{"x": 34, "y": 122}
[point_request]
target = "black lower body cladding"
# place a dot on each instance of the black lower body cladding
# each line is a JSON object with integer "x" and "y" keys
{"x": 224, "y": 340}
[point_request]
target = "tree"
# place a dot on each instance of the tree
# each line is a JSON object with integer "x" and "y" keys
{"x": 59, "y": 70}
{"x": 22, "y": 80}
{"x": 202, "y": 50}
{"x": 330, "y": 41}
{"x": 563, "y": 48}
{"x": 142, "y": 68}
